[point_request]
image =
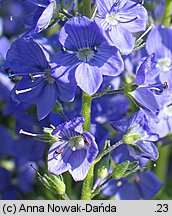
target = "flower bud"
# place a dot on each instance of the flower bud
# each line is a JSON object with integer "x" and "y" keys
{"x": 53, "y": 183}
{"x": 103, "y": 169}
{"x": 131, "y": 137}
{"x": 120, "y": 170}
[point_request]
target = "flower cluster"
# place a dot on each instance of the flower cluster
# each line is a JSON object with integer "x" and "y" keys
{"x": 91, "y": 79}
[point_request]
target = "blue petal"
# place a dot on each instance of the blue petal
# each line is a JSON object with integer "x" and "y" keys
{"x": 80, "y": 32}
{"x": 121, "y": 38}
{"x": 147, "y": 68}
{"x": 45, "y": 18}
{"x": 46, "y": 100}
{"x": 80, "y": 160}
{"x": 146, "y": 99}
{"x": 4, "y": 46}
{"x": 130, "y": 11}
{"x": 148, "y": 149}
{"x": 57, "y": 163}
{"x": 66, "y": 91}
{"x": 149, "y": 184}
{"x": 102, "y": 7}
{"x": 159, "y": 42}
{"x": 69, "y": 129}
{"x": 108, "y": 60}
{"x": 88, "y": 78}
{"x": 26, "y": 56}
{"x": 128, "y": 191}
{"x": 27, "y": 91}
{"x": 77, "y": 158}
{"x": 93, "y": 148}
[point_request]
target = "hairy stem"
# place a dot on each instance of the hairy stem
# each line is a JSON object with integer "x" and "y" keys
{"x": 86, "y": 110}
{"x": 87, "y": 8}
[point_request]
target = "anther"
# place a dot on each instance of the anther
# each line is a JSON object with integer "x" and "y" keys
{"x": 137, "y": 179}
{"x": 87, "y": 141}
{"x": 59, "y": 151}
{"x": 141, "y": 2}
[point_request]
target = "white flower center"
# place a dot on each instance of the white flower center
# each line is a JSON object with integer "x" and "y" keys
{"x": 85, "y": 54}
{"x": 76, "y": 143}
{"x": 164, "y": 64}
{"x": 112, "y": 18}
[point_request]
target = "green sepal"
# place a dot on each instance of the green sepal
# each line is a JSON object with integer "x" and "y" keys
{"x": 103, "y": 167}
{"x": 53, "y": 183}
{"x": 120, "y": 170}
{"x": 132, "y": 168}
{"x": 47, "y": 136}
{"x": 130, "y": 88}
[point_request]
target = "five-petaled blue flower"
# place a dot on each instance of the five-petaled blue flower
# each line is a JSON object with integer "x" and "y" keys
{"x": 30, "y": 60}
{"x": 86, "y": 55}
{"x": 143, "y": 94}
{"x": 118, "y": 18}
{"x": 74, "y": 150}
{"x": 138, "y": 132}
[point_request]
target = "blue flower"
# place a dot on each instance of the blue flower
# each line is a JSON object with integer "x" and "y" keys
{"x": 74, "y": 150}
{"x": 42, "y": 17}
{"x": 29, "y": 60}
{"x": 146, "y": 81}
{"x": 136, "y": 131}
{"x": 118, "y": 18}
{"x": 86, "y": 56}
{"x": 159, "y": 42}
{"x": 46, "y": 14}
{"x": 142, "y": 185}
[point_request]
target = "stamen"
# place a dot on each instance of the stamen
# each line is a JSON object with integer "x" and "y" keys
{"x": 165, "y": 85}
{"x": 73, "y": 148}
{"x": 137, "y": 179}
{"x": 11, "y": 18}
{"x": 28, "y": 133}
{"x": 23, "y": 91}
{"x": 119, "y": 183}
{"x": 59, "y": 151}
{"x": 35, "y": 2}
{"x": 131, "y": 20}
{"x": 141, "y": 2}
{"x": 87, "y": 141}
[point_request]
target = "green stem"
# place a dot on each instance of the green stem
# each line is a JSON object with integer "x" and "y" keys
{"x": 86, "y": 110}
{"x": 105, "y": 152}
{"x": 167, "y": 13}
{"x": 87, "y": 8}
{"x": 86, "y": 113}
{"x": 98, "y": 189}
{"x": 161, "y": 163}
{"x": 87, "y": 193}
{"x": 88, "y": 184}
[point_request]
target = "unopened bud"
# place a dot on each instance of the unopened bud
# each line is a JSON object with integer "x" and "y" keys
{"x": 54, "y": 183}
{"x": 120, "y": 170}
{"x": 103, "y": 169}
{"x": 131, "y": 138}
